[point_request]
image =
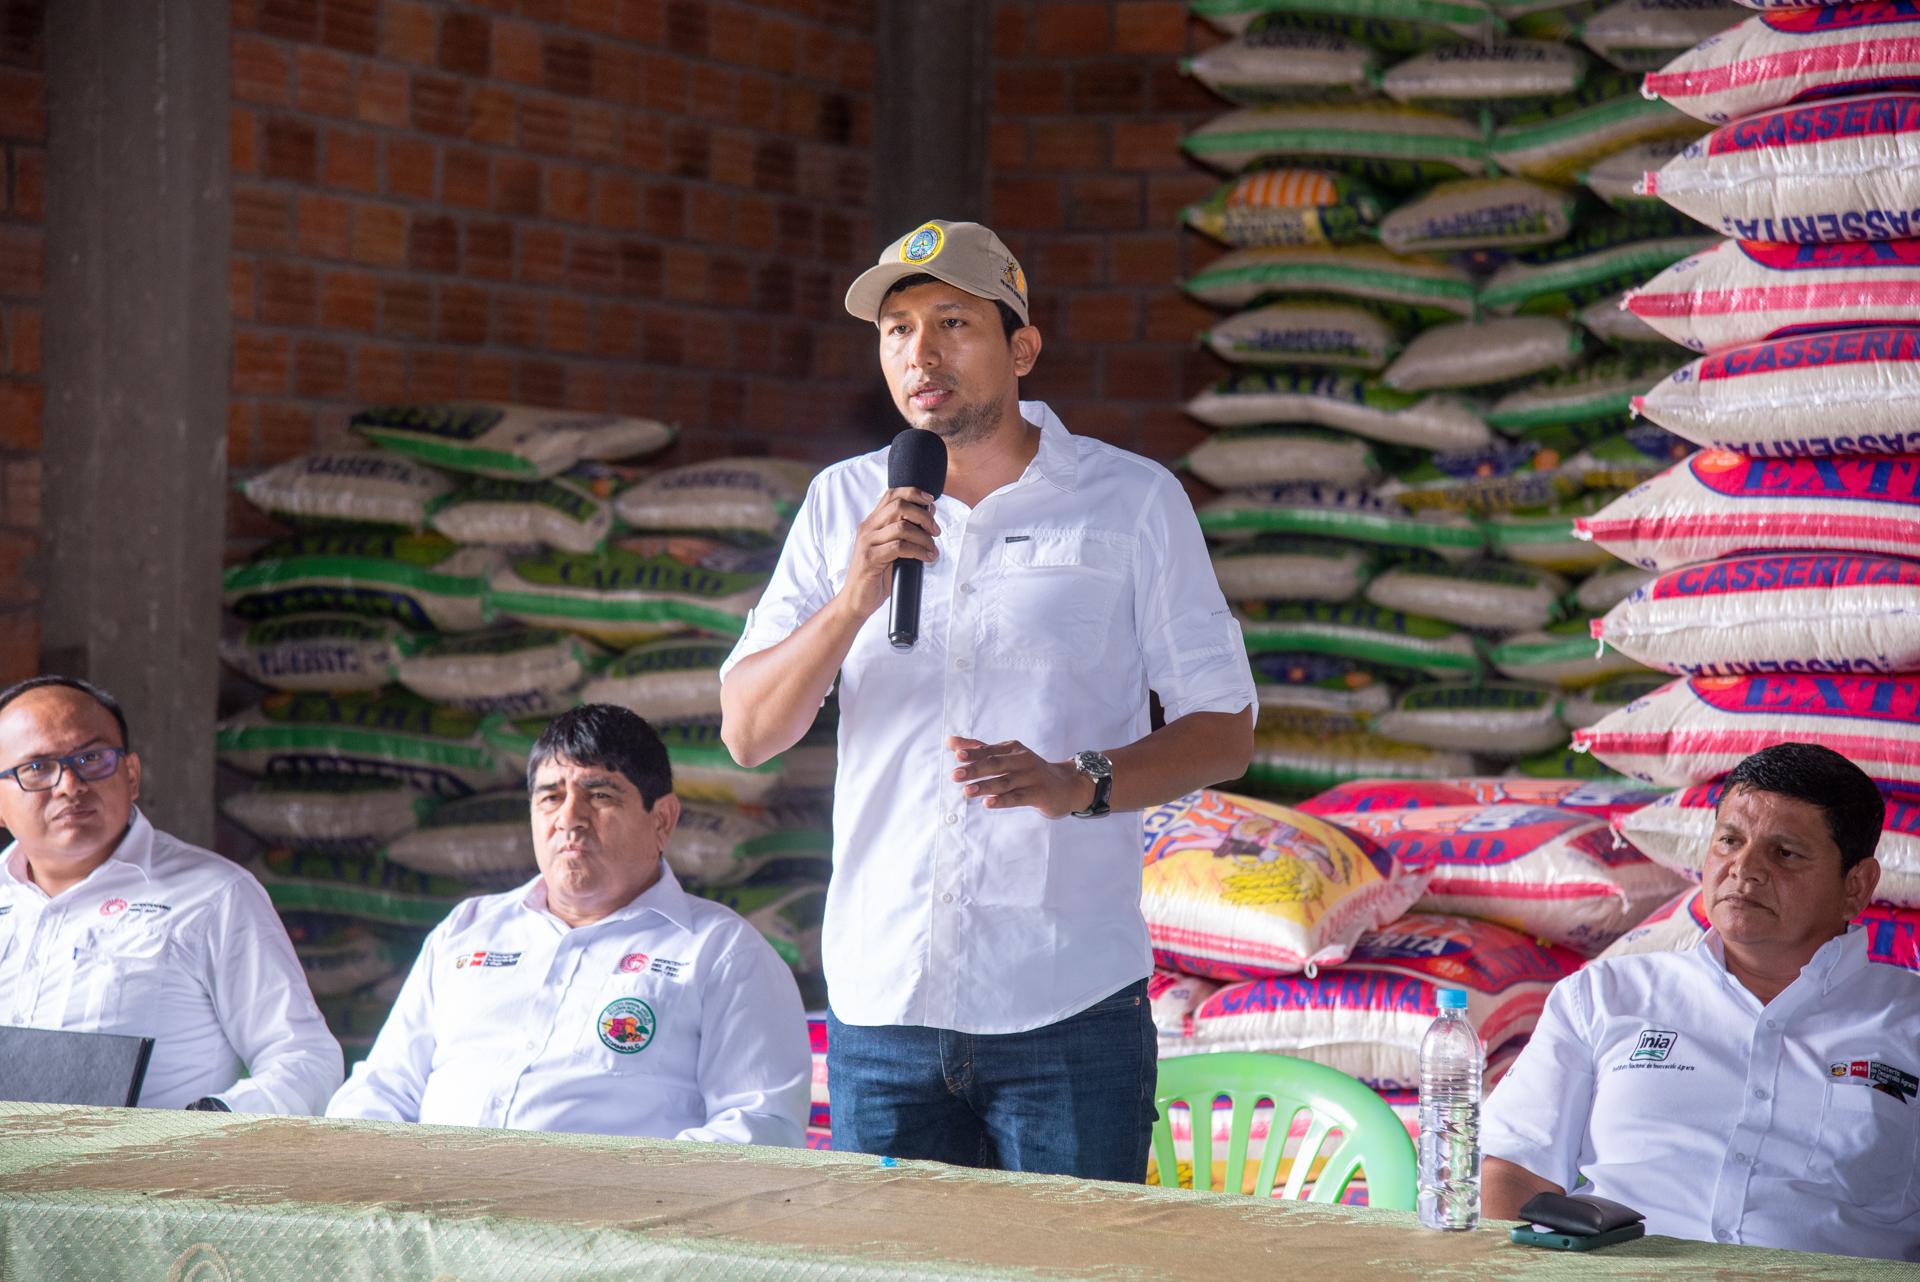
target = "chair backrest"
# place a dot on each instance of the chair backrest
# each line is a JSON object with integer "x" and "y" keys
{"x": 1371, "y": 1137}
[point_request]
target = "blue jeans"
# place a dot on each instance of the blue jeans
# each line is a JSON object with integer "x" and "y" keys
{"x": 1070, "y": 1098}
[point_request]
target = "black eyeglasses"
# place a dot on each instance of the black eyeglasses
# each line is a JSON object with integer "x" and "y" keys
{"x": 43, "y": 773}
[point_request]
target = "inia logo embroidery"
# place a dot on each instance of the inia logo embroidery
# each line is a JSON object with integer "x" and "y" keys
{"x": 1654, "y": 1046}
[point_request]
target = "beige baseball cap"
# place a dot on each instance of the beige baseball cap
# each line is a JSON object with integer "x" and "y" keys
{"x": 965, "y": 255}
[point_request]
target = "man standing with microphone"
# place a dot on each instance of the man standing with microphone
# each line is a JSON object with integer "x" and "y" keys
{"x": 983, "y": 943}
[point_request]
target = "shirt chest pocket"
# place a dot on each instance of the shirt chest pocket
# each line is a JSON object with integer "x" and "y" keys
{"x": 1865, "y": 1147}
{"x": 116, "y": 981}
{"x": 1054, "y": 597}
{"x": 630, "y": 1019}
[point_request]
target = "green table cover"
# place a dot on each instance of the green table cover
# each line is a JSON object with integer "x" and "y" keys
{"x": 149, "y": 1196}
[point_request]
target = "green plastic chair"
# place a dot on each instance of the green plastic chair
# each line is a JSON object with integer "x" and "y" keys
{"x": 1372, "y": 1138}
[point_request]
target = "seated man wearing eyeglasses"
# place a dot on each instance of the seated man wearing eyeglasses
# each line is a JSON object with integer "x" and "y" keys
{"x": 109, "y": 926}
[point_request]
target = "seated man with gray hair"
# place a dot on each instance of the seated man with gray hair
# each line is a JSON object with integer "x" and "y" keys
{"x": 598, "y": 998}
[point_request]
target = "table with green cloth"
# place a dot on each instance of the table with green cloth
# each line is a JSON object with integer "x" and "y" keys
{"x": 150, "y": 1196}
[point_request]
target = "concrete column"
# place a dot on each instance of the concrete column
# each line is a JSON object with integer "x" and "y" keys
{"x": 933, "y": 106}
{"x": 136, "y": 358}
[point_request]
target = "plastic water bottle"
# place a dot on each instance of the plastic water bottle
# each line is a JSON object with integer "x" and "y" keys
{"x": 1451, "y": 1060}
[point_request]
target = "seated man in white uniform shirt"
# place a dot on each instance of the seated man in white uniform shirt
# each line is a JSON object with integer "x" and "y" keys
{"x": 1760, "y": 1088}
{"x": 110, "y": 926}
{"x": 598, "y": 998}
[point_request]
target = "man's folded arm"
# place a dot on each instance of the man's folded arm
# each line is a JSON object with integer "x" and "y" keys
{"x": 755, "y": 1069}
{"x": 1538, "y": 1119}
{"x": 388, "y": 1085}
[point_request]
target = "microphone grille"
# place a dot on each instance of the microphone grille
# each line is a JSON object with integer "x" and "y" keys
{"x": 918, "y": 458}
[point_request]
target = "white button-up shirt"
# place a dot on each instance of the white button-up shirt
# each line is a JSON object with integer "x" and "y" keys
{"x": 168, "y": 941}
{"x": 1054, "y": 606}
{"x": 671, "y": 1017}
{"x": 1663, "y": 1080}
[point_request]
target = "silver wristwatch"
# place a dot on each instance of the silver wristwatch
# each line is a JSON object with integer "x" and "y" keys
{"x": 1095, "y": 766}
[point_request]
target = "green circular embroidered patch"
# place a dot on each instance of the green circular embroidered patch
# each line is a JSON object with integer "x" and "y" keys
{"x": 626, "y": 1025}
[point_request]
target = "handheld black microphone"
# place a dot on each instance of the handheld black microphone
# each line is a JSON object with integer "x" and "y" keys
{"x": 918, "y": 459}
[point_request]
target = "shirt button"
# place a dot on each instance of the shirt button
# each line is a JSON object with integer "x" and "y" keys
{"x": 529, "y": 1045}
{"x": 1769, "y": 1023}
{"x": 960, "y": 664}
{"x": 1723, "y": 1235}
{"x": 966, "y": 589}
{"x": 1740, "y": 1158}
{"x": 953, "y": 819}
{"x": 946, "y": 899}
{"x": 1759, "y": 1094}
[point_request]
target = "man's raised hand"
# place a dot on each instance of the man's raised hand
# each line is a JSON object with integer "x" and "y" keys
{"x": 902, "y": 526}
{"x": 1011, "y": 774}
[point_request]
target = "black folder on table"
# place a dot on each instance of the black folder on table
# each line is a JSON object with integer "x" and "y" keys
{"x": 49, "y": 1066}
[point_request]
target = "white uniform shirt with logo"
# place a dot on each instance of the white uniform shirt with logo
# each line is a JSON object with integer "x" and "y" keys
{"x": 1663, "y": 1080}
{"x": 1054, "y": 606}
{"x": 168, "y": 941}
{"x": 671, "y": 1018}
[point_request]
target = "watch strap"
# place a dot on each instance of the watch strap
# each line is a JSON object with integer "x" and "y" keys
{"x": 1102, "y": 789}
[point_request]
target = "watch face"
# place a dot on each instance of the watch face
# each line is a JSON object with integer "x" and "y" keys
{"x": 1094, "y": 763}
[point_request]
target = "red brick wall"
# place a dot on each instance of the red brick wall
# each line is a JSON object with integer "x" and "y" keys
{"x": 1088, "y": 183}
{"x": 23, "y": 131}
{"x": 652, "y": 206}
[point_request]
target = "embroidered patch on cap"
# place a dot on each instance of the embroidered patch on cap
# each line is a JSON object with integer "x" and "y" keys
{"x": 923, "y": 246}
{"x": 1015, "y": 279}
{"x": 626, "y": 1025}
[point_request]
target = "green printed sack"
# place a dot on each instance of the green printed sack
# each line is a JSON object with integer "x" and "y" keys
{"x": 1564, "y": 763}
{"x": 1564, "y": 654}
{"x": 370, "y": 889}
{"x": 1480, "y": 213}
{"x": 1482, "y": 354}
{"x": 625, "y": 599}
{"x": 1495, "y": 718}
{"x": 724, "y": 846}
{"x": 1361, "y": 406}
{"x": 703, "y": 769}
{"x": 1392, "y": 26}
{"x": 748, "y": 501}
{"x": 347, "y": 488}
{"x": 485, "y": 840}
{"x": 1645, "y": 35}
{"x": 1301, "y": 680}
{"x": 423, "y": 582}
{"x": 1595, "y": 398}
{"x": 1549, "y": 19}
{"x": 563, "y": 512}
{"x": 392, "y": 733}
{"x": 1544, "y": 535}
{"x": 1480, "y": 594}
{"x": 350, "y": 960}
{"x": 670, "y": 680}
{"x": 1500, "y": 76}
{"x": 1631, "y": 458}
{"x": 1498, "y": 478}
{"x": 788, "y": 917}
{"x": 1274, "y": 65}
{"x": 1596, "y": 701}
{"x": 518, "y": 442}
{"x": 519, "y": 671}
{"x": 1298, "y": 333}
{"x": 1305, "y": 760}
{"x": 1387, "y": 144}
{"x": 1404, "y": 291}
{"x": 1605, "y": 256}
{"x": 330, "y": 814}
{"x": 1278, "y": 454}
{"x": 320, "y": 651}
{"x": 1286, "y": 207}
{"x": 1358, "y": 631}
{"x": 1302, "y": 568}
{"x": 1557, "y": 140}
{"x": 1340, "y": 514}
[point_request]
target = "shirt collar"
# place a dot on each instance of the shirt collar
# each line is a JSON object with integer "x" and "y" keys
{"x": 1834, "y": 961}
{"x": 664, "y": 897}
{"x": 135, "y": 851}
{"x": 1058, "y": 459}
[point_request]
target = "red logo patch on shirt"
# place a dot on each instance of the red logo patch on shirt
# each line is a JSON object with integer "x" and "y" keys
{"x": 633, "y": 963}
{"x": 113, "y": 906}
{"x": 485, "y": 959}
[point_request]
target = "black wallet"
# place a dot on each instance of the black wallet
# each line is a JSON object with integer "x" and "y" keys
{"x": 1581, "y": 1222}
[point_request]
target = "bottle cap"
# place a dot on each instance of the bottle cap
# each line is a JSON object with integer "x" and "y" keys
{"x": 1452, "y": 998}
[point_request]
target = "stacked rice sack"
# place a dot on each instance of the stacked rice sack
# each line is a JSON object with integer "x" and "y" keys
{"x": 1323, "y": 931}
{"x": 1784, "y": 557}
{"x": 1427, "y": 233}
{"x": 461, "y": 574}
